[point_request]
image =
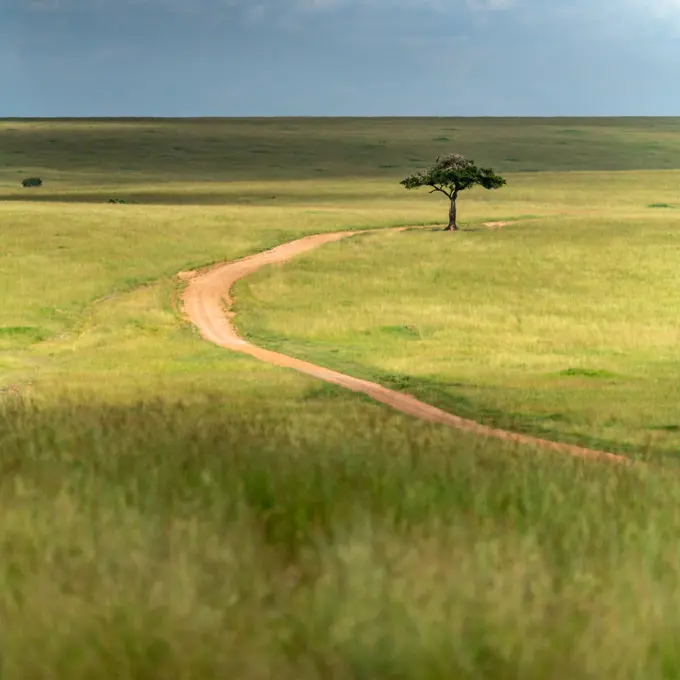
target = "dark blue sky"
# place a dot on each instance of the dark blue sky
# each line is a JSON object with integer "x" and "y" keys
{"x": 339, "y": 57}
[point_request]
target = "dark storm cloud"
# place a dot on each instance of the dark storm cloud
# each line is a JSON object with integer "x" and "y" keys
{"x": 339, "y": 57}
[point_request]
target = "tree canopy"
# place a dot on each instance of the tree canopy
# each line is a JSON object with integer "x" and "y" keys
{"x": 452, "y": 174}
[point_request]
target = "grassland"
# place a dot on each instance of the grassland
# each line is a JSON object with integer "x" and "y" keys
{"x": 563, "y": 327}
{"x": 171, "y": 510}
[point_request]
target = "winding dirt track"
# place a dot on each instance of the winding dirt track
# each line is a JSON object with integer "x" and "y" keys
{"x": 204, "y": 303}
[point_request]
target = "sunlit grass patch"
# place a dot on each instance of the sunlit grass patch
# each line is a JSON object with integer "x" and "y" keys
{"x": 506, "y": 327}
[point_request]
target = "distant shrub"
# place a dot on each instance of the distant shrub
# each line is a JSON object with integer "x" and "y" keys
{"x": 119, "y": 200}
{"x": 32, "y": 182}
{"x": 588, "y": 373}
{"x": 659, "y": 205}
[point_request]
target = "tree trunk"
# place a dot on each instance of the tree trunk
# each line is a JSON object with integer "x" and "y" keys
{"x": 453, "y": 224}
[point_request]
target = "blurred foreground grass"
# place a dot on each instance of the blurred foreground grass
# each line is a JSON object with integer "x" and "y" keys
{"x": 179, "y": 539}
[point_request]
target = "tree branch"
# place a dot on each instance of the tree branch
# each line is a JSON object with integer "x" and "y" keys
{"x": 446, "y": 193}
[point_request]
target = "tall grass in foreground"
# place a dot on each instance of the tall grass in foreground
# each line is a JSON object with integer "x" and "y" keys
{"x": 169, "y": 540}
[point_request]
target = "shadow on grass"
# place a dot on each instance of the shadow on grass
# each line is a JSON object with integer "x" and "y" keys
{"x": 454, "y": 397}
{"x": 451, "y": 397}
{"x": 123, "y": 200}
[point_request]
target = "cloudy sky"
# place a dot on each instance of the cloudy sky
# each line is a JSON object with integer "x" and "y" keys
{"x": 339, "y": 57}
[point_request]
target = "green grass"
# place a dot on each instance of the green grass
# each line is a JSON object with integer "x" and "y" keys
{"x": 346, "y": 542}
{"x": 110, "y": 152}
{"x": 173, "y": 510}
{"x": 563, "y": 328}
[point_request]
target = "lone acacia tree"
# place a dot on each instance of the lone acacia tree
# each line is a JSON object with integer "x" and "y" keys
{"x": 450, "y": 175}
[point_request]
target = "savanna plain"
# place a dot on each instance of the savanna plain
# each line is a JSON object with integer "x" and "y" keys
{"x": 171, "y": 509}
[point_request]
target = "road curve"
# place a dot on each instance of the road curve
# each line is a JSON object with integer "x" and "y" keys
{"x": 208, "y": 293}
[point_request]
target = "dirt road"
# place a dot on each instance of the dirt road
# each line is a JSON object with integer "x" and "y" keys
{"x": 207, "y": 294}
